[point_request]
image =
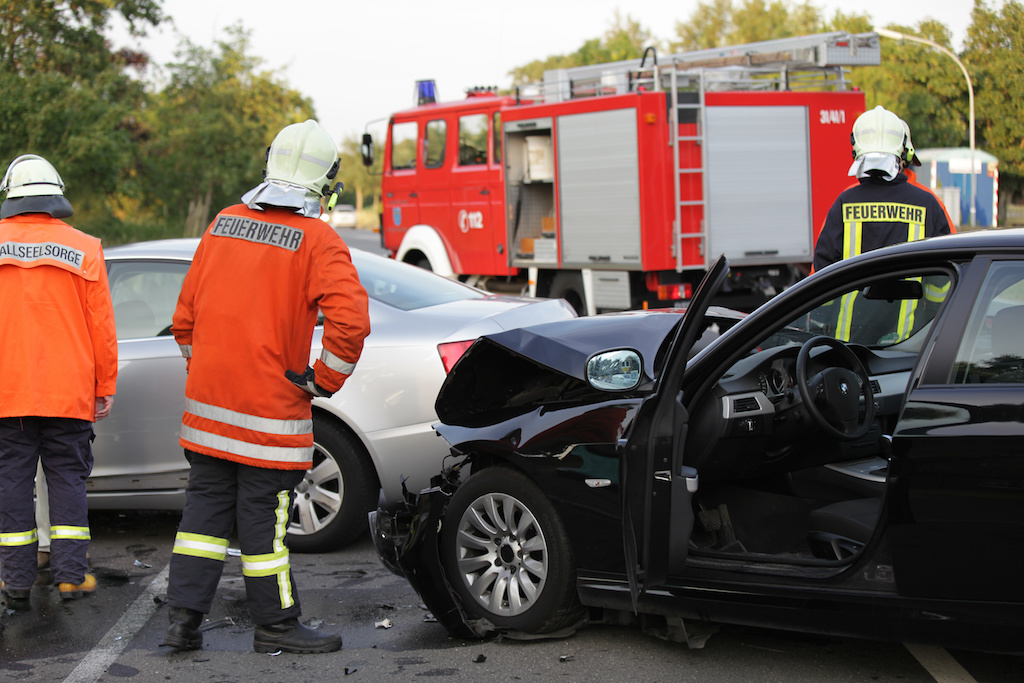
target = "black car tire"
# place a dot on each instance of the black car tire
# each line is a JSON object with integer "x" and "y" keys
{"x": 477, "y": 536}
{"x": 335, "y": 494}
{"x": 569, "y": 286}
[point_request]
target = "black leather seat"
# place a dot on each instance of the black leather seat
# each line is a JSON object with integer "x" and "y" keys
{"x": 841, "y": 529}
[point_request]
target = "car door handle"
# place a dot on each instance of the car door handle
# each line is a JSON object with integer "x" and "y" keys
{"x": 485, "y": 191}
{"x": 413, "y": 194}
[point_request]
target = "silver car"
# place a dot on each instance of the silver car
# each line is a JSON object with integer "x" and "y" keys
{"x": 369, "y": 437}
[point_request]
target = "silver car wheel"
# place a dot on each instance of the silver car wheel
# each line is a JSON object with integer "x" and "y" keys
{"x": 319, "y": 495}
{"x": 502, "y": 554}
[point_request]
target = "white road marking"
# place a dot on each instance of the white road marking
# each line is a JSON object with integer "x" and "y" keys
{"x": 940, "y": 664}
{"x": 106, "y": 652}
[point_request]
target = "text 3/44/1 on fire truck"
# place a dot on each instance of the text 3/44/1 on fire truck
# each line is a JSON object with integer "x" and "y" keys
{"x": 616, "y": 185}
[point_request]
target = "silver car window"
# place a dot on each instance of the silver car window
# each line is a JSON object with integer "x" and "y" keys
{"x": 144, "y": 294}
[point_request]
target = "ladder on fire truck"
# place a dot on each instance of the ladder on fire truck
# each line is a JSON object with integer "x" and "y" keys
{"x": 820, "y": 61}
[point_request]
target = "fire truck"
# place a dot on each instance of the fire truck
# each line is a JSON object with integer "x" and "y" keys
{"x": 615, "y": 185}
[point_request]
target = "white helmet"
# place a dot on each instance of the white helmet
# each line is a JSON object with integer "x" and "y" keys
{"x": 910, "y": 156}
{"x": 878, "y": 131}
{"x": 30, "y": 175}
{"x": 303, "y": 154}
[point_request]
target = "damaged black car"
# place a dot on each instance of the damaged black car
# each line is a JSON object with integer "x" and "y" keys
{"x": 847, "y": 460}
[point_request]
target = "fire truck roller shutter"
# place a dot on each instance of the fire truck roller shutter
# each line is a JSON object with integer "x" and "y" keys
{"x": 758, "y": 175}
{"x": 425, "y": 240}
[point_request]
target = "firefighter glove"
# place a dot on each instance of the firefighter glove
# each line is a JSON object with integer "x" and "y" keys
{"x": 307, "y": 382}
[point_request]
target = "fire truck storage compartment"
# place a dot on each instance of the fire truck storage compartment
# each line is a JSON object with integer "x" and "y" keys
{"x": 759, "y": 187}
{"x": 530, "y": 192}
{"x": 599, "y": 189}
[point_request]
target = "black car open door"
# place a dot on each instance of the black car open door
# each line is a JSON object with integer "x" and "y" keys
{"x": 656, "y": 488}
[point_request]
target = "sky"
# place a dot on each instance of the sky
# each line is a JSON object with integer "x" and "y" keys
{"x": 359, "y": 60}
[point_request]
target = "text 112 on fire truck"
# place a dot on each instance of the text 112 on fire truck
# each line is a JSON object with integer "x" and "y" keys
{"x": 616, "y": 185}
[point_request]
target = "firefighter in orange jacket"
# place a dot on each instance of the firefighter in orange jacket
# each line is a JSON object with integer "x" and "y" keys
{"x": 58, "y": 361}
{"x": 244, "y": 321}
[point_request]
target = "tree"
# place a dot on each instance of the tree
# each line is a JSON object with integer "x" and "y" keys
{"x": 67, "y": 97}
{"x": 207, "y": 129}
{"x": 626, "y": 39}
{"x": 994, "y": 56}
{"x": 921, "y": 85}
{"x": 719, "y": 22}
{"x": 362, "y": 182}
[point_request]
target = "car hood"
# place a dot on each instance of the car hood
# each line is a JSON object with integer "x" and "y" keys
{"x": 510, "y": 373}
{"x": 565, "y": 346}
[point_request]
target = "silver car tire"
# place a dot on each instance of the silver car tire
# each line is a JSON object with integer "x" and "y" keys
{"x": 332, "y": 501}
{"x": 505, "y": 553}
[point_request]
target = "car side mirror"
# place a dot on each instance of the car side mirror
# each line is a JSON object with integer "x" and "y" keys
{"x": 617, "y": 370}
{"x": 895, "y": 290}
{"x": 366, "y": 148}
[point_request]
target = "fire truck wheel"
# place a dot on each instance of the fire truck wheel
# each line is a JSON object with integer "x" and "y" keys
{"x": 423, "y": 263}
{"x": 569, "y": 286}
{"x": 333, "y": 499}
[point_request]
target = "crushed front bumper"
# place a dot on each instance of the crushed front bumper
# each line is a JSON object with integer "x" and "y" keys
{"x": 406, "y": 537}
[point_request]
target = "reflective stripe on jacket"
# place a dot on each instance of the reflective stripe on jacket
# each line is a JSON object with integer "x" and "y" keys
{"x": 246, "y": 314}
{"x": 59, "y": 347}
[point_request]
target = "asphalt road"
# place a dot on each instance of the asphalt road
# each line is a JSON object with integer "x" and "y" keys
{"x": 115, "y": 634}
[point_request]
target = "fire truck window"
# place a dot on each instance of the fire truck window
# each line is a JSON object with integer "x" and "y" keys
{"x": 403, "y": 145}
{"x": 496, "y": 132}
{"x": 433, "y": 151}
{"x": 473, "y": 140}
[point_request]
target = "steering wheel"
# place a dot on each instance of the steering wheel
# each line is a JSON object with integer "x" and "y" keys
{"x": 831, "y": 396}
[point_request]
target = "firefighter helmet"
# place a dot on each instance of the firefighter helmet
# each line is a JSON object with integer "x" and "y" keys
{"x": 30, "y": 175}
{"x": 910, "y": 155}
{"x": 879, "y": 131}
{"x": 303, "y": 154}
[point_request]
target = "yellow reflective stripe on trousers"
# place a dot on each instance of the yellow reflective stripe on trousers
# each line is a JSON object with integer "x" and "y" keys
{"x": 69, "y": 533}
{"x": 281, "y": 520}
{"x": 265, "y": 565}
{"x": 198, "y": 545}
{"x": 851, "y": 247}
{"x": 277, "y": 563}
{"x": 16, "y": 538}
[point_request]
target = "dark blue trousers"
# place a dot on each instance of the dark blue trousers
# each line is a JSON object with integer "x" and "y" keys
{"x": 222, "y": 495}
{"x": 64, "y": 446}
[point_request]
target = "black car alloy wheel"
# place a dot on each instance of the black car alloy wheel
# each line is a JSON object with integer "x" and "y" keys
{"x": 505, "y": 553}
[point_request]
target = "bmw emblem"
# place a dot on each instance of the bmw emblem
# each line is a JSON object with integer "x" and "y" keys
{"x": 844, "y": 387}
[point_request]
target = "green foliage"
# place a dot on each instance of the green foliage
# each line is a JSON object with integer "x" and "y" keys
{"x": 922, "y": 85}
{"x": 67, "y": 97}
{"x": 207, "y": 130}
{"x": 626, "y": 39}
{"x": 719, "y": 22}
{"x": 994, "y": 56}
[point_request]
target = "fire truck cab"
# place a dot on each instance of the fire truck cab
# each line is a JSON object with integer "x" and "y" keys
{"x": 615, "y": 186}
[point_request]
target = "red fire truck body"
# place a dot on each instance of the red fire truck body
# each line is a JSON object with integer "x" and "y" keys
{"x": 617, "y": 195}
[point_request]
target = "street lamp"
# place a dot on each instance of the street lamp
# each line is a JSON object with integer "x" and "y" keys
{"x": 896, "y": 35}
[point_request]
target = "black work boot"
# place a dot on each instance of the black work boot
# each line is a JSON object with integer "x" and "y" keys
{"x": 291, "y": 636}
{"x": 183, "y": 633}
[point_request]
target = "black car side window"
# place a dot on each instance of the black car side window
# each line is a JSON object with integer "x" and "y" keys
{"x": 992, "y": 349}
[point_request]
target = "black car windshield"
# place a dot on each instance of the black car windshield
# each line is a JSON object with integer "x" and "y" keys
{"x": 406, "y": 287}
{"x": 875, "y": 318}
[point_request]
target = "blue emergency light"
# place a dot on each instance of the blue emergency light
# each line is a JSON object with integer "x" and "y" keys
{"x": 426, "y": 92}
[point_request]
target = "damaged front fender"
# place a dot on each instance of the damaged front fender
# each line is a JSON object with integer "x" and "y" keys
{"x": 407, "y": 539}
